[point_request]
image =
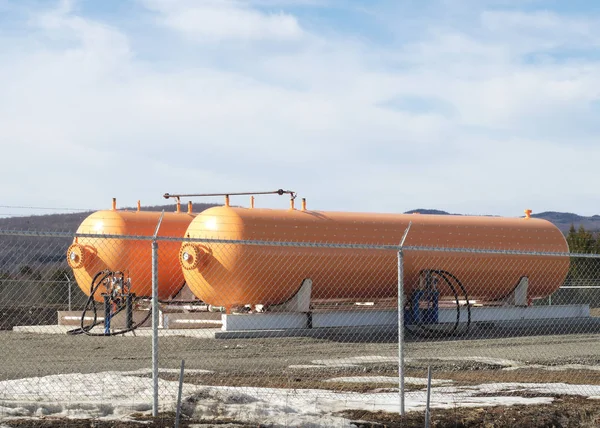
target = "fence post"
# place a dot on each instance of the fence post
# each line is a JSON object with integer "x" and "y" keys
{"x": 179, "y": 393}
{"x": 401, "y": 320}
{"x": 69, "y": 281}
{"x": 401, "y": 330}
{"x": 155, "y": 319}
{"x": 428, "y": 402}
{"x": 154, "y": 328}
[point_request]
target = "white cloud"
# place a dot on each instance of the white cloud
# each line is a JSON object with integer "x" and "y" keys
{"x": 225, "y": 20}
{"x": 81, "y": 109}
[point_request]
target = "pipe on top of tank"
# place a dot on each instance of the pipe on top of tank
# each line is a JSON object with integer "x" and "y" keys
{"x": 178, "y": 206}
{"x": 272, "y": 192}
{"x": 528, "y": 213}
{"x": 114, "y": 204}
{"x": 279, "y": 192}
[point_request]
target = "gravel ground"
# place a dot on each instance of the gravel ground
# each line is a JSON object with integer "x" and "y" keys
{"x": 28, "y": 354}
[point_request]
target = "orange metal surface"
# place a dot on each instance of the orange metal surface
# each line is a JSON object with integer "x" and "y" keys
{"x": 87, "y": 256}
{"x": 231, "y": 274}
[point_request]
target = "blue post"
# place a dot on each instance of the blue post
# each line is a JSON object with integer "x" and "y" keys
{"x": 107, "y": 313}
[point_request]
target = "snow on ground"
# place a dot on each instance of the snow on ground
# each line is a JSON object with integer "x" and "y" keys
{"x": 388, "y": 379}
{"x": 379, "y": 359}
{"x": 116, "y": 395}
{"x": 505, "y": 364}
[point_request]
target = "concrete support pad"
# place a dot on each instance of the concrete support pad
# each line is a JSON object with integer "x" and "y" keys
{"x": 73, "y": 318}
{"x": 191, "y": 320}
{"x": 371, "y": 317}
{"x": 389, "y": 333}
{"x": 266, "y": 321}
{"x": 512, "y": 313}
{"x": 140, "y": 332}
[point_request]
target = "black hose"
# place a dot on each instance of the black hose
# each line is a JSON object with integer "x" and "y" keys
{"x": 464, "y": 291}
{"x": 91, "y": 304}
{"x": 127, "y": 330}
{"x": 93, "y": 288}
{"x": 448, "y": 278}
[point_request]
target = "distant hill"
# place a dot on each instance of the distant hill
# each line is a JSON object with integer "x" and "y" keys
{"x": 70, "y": 222}
{"x": 564, "y": 220}
{"x": 46, "y": 254}
{"x": 427, "y": 211}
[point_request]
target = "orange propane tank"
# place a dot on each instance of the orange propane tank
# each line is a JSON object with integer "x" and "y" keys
{"x": 89, "y": 255}
{"x": 232, "y": 274}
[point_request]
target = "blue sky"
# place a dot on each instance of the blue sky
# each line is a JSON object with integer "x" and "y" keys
{"x": 483, "y": 107}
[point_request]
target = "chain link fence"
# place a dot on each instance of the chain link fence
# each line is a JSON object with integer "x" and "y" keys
{"x": 516, "y": 326}
{"x": 286, "y": 332}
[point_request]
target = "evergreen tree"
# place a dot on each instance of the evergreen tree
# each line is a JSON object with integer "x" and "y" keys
{"x": 60, "y": 275}
{"x": 25, "y": 270}
{"x": 3, "y": 277}
{"x": 581, "y": 241}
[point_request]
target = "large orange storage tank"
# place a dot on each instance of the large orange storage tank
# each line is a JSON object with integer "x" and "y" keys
{"x": 87, "y": 256}
{"x": 229, "y": 274}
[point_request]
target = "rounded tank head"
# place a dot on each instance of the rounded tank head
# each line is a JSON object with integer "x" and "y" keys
{"x": 89, "y": 255}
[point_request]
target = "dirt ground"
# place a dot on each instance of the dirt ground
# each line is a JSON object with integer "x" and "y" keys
{"x": 564, "y": 412}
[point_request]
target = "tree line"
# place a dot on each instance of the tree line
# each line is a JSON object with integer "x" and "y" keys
{"x": 583, "y": 241}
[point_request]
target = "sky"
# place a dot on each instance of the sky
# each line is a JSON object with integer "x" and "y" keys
{"x": 470, "y": 106}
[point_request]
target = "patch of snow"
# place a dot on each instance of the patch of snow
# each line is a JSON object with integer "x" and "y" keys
{"x": 563, "y": 367}
{"x": 374, "y": 359}
{"x": 448, "y": 398}
{"x": 106, "y": 395}
{"x": 355, "y": 360}
{"x": 113, "y": 395}
{"x": 484, "y": 360}
{"x": 388, "y": 379}
{"x": 148, "y": 371}
{"x": 315, "y": 366}
{"x": 542, "y": 388}
{"x": 502, "y": 362}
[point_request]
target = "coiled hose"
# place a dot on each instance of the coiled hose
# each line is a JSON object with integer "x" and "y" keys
{"x": 448, "y": 278}
{"x": 90, "y": 304}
